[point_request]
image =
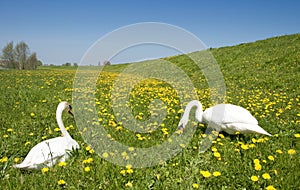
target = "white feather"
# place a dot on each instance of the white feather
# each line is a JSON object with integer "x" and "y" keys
{"x": 49, "y": 152}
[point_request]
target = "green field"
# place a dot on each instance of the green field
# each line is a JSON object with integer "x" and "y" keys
{"x": 262, "y": 77}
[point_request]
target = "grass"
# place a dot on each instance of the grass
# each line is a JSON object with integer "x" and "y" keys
{"x": 262, "y": 76}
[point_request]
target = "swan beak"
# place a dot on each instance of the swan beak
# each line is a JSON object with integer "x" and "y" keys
{"x": 180, "y": 128}
{"x": 70, "y": 112}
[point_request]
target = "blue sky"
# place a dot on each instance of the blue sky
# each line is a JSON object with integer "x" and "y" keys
{"x": 62, "y": 31}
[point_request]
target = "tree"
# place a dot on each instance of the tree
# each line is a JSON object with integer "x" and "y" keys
{"x": 106, "y": 63}
{"x": 31, "y": 62}
{"x": 8, "y": 55}
{"x": 75, "y": 64}
{"x": 21, "y": 54}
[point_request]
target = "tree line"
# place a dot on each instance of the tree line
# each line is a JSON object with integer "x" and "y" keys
{"x": 19, "y": 57}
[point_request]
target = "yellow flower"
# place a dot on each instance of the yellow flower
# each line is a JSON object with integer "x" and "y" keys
{"x": 105, "y": 155}
{"x": 266, "y": 176}
{"x": 131, "y": 149}
{"x": 216, "y": 173}
{"x": 88, "y": 148}
{"x": 244, "y": 146}
{"x": 297, "y": 135}
{"x": 182, "y": 145}
{"x": 62, "y": 164}
{"x": 16, "y": 159}
{"x": 254, "y": 178}
{"x": 61, "y": 182}
{"x": 217, "y": 154}
{"x": 123, "y": 172}
{"x": 270, "y": 187}
{"x": 279, "y": 151}
{"x": 214, "y": 149}
{"x": 291, "y": 151}
{"x": 87, "y": 169}
{"x": 257, "y": 167}
{"x": 271, "y": 158}
{"x": 205, "y": 173}
{"x": 27, "y": 143}
{"x": 44, "y": 170}
{"x": 88, "y": 161}
{"x": 128, "y": 184}
{"x": 195, "y": 186}
{"x": 9, "y": 129}
{"x": 4, "y": 159}
{"x": 56, "y": 129}
{"x": 32, "y": 114}
{"x": 256, "y": 161}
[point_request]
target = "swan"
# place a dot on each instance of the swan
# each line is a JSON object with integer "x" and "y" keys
{"x": 49, "y": 152}
{"x": 223, "y": 117}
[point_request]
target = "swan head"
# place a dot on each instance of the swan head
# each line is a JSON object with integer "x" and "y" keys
{"x": 65, "y": 106}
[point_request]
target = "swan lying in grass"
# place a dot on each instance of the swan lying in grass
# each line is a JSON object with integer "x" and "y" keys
{"x": 49, "y": 152}
{"x": 224, "y": 117}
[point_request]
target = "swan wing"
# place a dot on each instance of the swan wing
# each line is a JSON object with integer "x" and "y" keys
{"x": 228, "y": 113}
{"x": 244, "y": 128}
{"x": 48, "y": 152}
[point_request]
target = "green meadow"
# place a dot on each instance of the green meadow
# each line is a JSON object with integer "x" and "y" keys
{"x": 262, "y": 77}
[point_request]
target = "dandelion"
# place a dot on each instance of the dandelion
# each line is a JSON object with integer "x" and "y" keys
{"x": 88, "y": 148}
{"x": 129, "y": 169}
{"x": 27, "y": 143}
{"x": 128, "y": 184}
{"x": 270, "y": 187}
{"x": 291, "y": 151}
{"x": 244, "y": 146}
{"x": 9, "y": 130}
{"x": 266, "y": 176}
{"x": 123, "y": 172}
{"x": 214, "y": 149}
{"x": 216, "y": 173}
{"x": 105, "y": 155}
{"x": 4, "y": 159}
{"x": 195, "y": 186}
{"x": 257, "y": 167}
{"x": 44, "y": 170}
{"x": 62, "y": 164}
{"x": 131, "y": 149}
{"x": 56, "y": 129}
{"x": 256, "y": 161}
{"x": 297, "y": 135}
{"x": 87, "y": 169}
{"x": 279, "y": 151}
{"x": 205, "y": 173}
{"x": 32, "y": 114}
{"x": 61, "y": 182}
{"x": 254, "y": 178}
{"x": 271, "y": 158}
{"x": 182, "y": 145}
{"x": 16, "y": 160}
{"x": 217, "y": 155}
{"x": 5, "y": 136}
{"x": 88, "y": 161}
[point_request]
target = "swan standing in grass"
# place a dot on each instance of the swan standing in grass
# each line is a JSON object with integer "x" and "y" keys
{"x": 224, "y": 117}
{"x": 49, "y": 152}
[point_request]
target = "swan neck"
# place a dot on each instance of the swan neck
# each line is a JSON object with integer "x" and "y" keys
{"x": 199, "y": 111}
{"x": 60, "y": 123}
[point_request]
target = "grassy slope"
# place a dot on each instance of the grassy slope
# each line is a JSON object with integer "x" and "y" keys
{"x": 262, "y": 76}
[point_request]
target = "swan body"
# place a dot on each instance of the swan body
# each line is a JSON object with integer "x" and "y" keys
{"x": 224, "y": 117}
{"x": 49, "y": 152}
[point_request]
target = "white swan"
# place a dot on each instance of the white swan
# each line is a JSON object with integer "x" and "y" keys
{"x": 49, "y": 152}
{"x": 224, "y": 117}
